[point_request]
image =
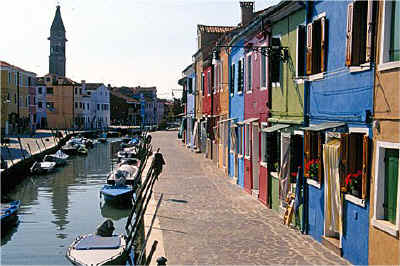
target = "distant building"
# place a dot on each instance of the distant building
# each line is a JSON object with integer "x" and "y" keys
{"x": 59, "y": 100}
{"x": 16, "y": 86}
{"x": 41, "y": 103}
{"x": 124, "y": 109}
{"x": 100, "y": 105}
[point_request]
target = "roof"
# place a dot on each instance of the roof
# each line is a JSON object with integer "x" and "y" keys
{"x": 66, "y": 81}
{"x": 93, "y": 86}
{"x": 215, "y": 29}
{"x": 57, "y": 24}
{"x": 122, "y": 96}
{"x": 5, "y": 64}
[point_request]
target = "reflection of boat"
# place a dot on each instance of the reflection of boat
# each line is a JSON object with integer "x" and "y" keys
{"x": 59, "y": 158}
{"x": 117, "y": 194}
{"x": 99, "y": 249}
{"x": 128, "y": 171}
{"x": 42, "y": 167}
{"x": 9, "y": 214}
{"x": 108, "y": 211}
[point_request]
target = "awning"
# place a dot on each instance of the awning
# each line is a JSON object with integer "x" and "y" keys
{"x": 323, "y": 126}
{"x": 247, "y": 121}
{"x": 274, "y": 128}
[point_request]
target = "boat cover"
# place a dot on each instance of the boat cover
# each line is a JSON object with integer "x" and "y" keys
{"x": 98, "y": 242}
{"x": 115, "y": 190}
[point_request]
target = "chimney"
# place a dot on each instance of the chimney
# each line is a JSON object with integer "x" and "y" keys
{"x": 247, "y": 11}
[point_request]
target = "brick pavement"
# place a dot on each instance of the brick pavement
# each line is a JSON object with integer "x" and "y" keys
{"x": 205, "y": 219}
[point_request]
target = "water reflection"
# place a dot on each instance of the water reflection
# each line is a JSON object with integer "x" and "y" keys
{"x": 57, "y": 207}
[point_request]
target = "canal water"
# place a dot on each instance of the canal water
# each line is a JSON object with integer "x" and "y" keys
{"x": 57, "y": 207}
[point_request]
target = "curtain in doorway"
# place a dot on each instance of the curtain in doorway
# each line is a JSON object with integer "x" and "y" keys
{"x": 333, "y": 204}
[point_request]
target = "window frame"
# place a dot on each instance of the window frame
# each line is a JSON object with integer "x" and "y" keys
{"x": 377, "y": 221}
{"x": 249, "y": 73}
{"x": 263, "y": 72}
{"x": 240, "y": 79}
{"x": 275, "y": 84}
{"x": 247, "y": 145}
{"x": 385, "y": 40}
{"x": 310, "y": 50}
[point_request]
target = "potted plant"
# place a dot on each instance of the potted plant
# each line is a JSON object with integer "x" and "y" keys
{"x": 353, "y": 183}
{"x": 312, "y": 169}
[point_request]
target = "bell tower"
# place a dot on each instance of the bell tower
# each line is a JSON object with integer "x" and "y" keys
{"x": 57, "y": 45}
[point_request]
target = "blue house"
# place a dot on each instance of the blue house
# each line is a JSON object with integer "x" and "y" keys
{"x": 236, "y": 111}
{"x": 339, "y": 88}
{"x": 190, "y": 83}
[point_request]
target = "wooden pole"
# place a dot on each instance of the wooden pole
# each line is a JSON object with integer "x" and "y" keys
{"x": 29, "y": 147}
{"x": 153, "y": 249}
{"x": 20, "y": 147}
{"x": 38, "y": 146}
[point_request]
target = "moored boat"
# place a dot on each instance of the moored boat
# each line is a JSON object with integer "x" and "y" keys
{"x": 117, "y": 194}
{"x": 127, "y": 171}
{"x": 60, "y": 158}
{"x": 42, "y": 167}
{"x": 9, "y": 214}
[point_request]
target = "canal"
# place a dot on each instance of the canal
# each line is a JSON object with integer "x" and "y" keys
{"x": 57, "y": 207}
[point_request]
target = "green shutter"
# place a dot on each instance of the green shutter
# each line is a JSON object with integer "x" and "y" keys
{"x": 391, "y": 179}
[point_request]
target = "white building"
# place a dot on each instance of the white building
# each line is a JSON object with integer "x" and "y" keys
{"x": 41, "y": 103}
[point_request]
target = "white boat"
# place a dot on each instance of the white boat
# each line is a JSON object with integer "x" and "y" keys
{"x": 128, "y": 153}
{"x": 127, "y": 172}
{"x": 42, "y": 167}
{"x": 100, "y": 248}
{"x": 59, "y": 158}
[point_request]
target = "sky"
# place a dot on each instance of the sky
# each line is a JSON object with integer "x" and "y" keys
{"x": 117, "y": 42}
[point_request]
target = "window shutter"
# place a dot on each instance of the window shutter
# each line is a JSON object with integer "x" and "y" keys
{"x": 324, "y": 26}
{"x": 349, "y": 33}
{"x": 365, "y": 166}
{"x": 344, "y": 144}
{"x": 300, "y": 50}
{"x": 319, "y": 157}
{"x": 368, "y": 52}
{"x": 391, "y": 184}
{"x": 307, "y": 141}
{"x": 309, "y": 49}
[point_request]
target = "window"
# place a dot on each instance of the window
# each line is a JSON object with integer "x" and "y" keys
{"x": 190, "y": 84}
{"x": 202, "y": 84}
{"x": 263, "y": 69}
{"x": 316, "y": 47}
{"x": 359, "y": 32}
{"x": 88, "y": 106}
{"x": 29, "y": 81}
{"x": 216, "y": 77}
{"x": 275, "y": 63}
{"x": 89, "y": 93}
{"x": 80, "y": 91}
{"x": 247, "y": 140}
{"x": 15, "y": 98}
{"x": 9, "y": 78}
{"x": 48, "y": 79}
{"x": 354, "y": 162}
{"x": 390, "y": 43}
{"x": 240, "y": 76}
{"x": 249, "y": 74}
{"x": 313, "y": 154}
{"x": 221, "y": 75}
{"x": 80, "y": 105}
{"x": 232, "y": 79}
{"x": 40, "y": 90}
{"x": 386, "y": 205}
{"x": 300, "y": 60}
{"x": 50, "y": 90}
{"x": 28, "y": 100}
{"x": 40, "y": 105}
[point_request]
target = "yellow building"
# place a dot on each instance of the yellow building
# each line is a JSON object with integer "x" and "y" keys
{"x": 15, "y": 99}
{"x": 59, "y": 101}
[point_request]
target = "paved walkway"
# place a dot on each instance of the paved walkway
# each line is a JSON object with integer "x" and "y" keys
{"x": 205, "y": 219}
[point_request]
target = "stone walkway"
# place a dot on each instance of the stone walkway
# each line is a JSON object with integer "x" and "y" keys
{"x": 205, "y": 219}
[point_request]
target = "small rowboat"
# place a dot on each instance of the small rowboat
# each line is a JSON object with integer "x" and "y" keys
{"x": 42, "y": 167}
{"x": 93, "y": 249}
{"x": 9, "y": 215}
{"x": 59, "y": 158}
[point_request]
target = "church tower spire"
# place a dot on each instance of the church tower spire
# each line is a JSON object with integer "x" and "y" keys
{"x": 57, "y": 45}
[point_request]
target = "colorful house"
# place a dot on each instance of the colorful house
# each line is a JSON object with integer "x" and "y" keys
{"x": 340, "y": 78}
{"x": 384, "y": 243}
{"x": 41, "y": 114}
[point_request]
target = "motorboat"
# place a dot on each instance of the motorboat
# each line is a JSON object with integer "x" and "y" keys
{"x": 60, "y": 158}
{"x": 117, "y": 194}
{"x": 99, "y": 248}
{"x": 42, "y": 167}
{"x": 88, "y": 143}
{"x": 128, "y": 153}
{"x": 125, "y": 173}
{"x": 9, "y": 214}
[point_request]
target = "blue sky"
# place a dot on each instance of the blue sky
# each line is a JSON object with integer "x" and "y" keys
{"x": 118, "y": 42}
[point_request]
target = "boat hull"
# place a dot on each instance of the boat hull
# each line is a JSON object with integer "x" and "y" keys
{"x": 9, "y": 215}
{"x": 117, "y": 195}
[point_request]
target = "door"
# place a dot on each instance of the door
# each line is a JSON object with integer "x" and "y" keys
{"x": 255, "y": 156}
{"x": 391, "y": 181}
